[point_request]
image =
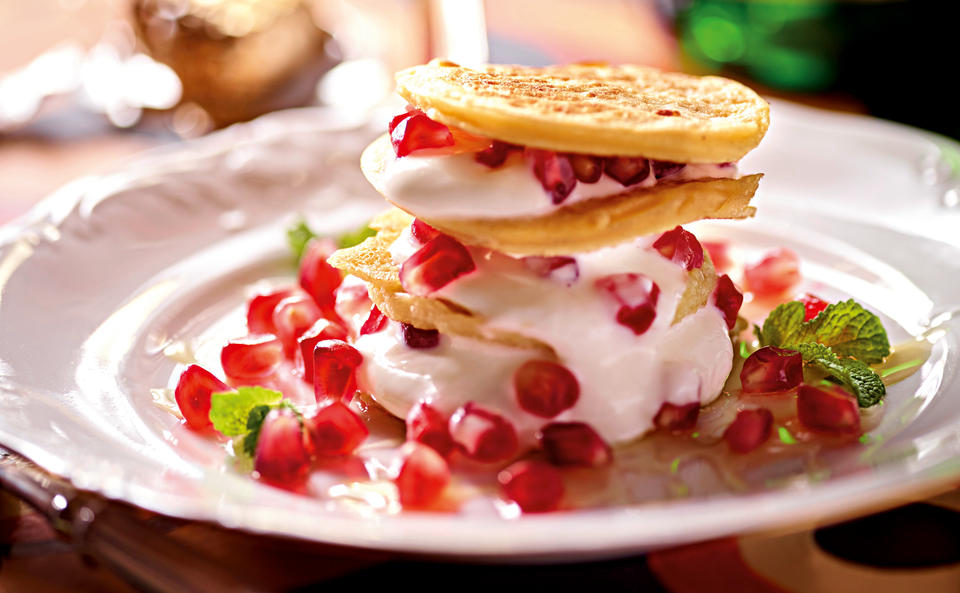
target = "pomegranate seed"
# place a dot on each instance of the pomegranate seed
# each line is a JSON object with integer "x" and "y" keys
{"x": 395, "y": 120}
{"x": 778, "y": 271}
{"x": 677, "y": 417}
{"x": 719, "y": 254}
{"x": 627, "y": 171}
{"x": 323, "y": 329}
{"x": 438, "y": 263}
{"x": 681, "y": 247}
{"x": 560, "y": 267}
{"x": 482, "y": 434}
{"x": 662, "y": 169}
{"x": 282, "y": 456}
{"x": 193, "y": 392}
{"x": 293, "y": 316}
{"x": 535, "y": 486}
{"x": 260, "y": 310}
{"x": 423, "y": 476}
{"x": 812, "y": 306}
{"x": 413, "y": 131}
{"x": 419, "y": 339}
{"x": 335, "y": 370}
{"x": 352, "y": 300}
{"x": 496, "y": 154}
{"x": 771, "y": 369}
{"x": 831, "y": 410}
{"x": 574, "y": 444}
{"x": 728, "y": 299}
{"x": 586, "y": 168}
{"x": 251, "y": 357}
{"x": 544, "y": 388}
{"x": 335, "y": 429}
{"x": 376, "y": 322}
{"x": 317, "y": 277}
{"x": 637, "y": 295}
{"x": 749, "y": 430}
{"x": 554, "y": 173}
{"x": 425, "y": 424}
{"x": 422, "y": 231}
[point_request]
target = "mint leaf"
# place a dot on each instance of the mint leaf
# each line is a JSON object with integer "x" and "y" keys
{"x": 859, "y": 378}
{"x": 356, "y": 237}
{"x": 782, "y": 324}
{"x": 230, "y": 410}
{"x": 254, "y": 423}
{"x": 298, "y": 235}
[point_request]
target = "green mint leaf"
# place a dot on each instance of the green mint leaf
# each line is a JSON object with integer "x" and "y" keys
{"x": 230, "y": 410}
{"x": 859, "y": 378}
{"x": 254, "y": 423}
{"x": 782, "y": 324}
{"x": 846, "y": 327}
{"x": 356, "y": 237}
{"x": 298, "y": 235}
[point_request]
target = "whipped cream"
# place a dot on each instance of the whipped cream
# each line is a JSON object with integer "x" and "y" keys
{"x": 456, "y": 186}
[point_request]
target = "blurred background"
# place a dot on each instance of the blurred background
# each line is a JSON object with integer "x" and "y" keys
{"x": 86, "y": 83}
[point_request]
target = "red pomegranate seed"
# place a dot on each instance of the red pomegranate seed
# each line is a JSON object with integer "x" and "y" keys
{"x": 662, "y": 169}
{"x": 419, "y": 339}
{"x": 554, "y": 173}
{"x": 677, "y": 417}
{"x": 637, "y": 295}
{"x": 260, "y": 310}
{"x": 496, "y": 154}
{"x": 749, "y": 430}
{"x": 586, "y": 168}
{"x": 413, "y": 131}
{"x": 438, "y": 263}
{"x": 831, "y": 410}
{"x": 193, "y": 392}
{"x": 423, "y": 232}
{"x": 627, "y": 170}
{"x": 317, "y": 277}
{"x": 376, "y": 322}
{"x": 777, "y": 272}
{"x": 423, "y": 476}
{"x": 728, "y": 299}
{"x": 535, "y": 486}
{"x": 251, "y": 357}
{"x": 771, "y": 369}
{"x": 293, "y": 316}
{"x": 812, "y": 306}
{"x": 352, "y": 300}
{"x": 335, "y": 370}
{"x": 395, "y": 120}
{"x": 719, "y": 254}
{"x": 544, "y": 388}
{"x": 323, "y": 329}
{"x": 482, "y": 434}
{"x": 681, "y": 247}
{"x": 282, "y": 456}
{"x": 561, "y": 268}
{"x": 335, "y": 429}
{"x": 574, "y": 444}
{"x": 425, "y": 424}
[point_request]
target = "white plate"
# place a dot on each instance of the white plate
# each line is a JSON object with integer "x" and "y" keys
{"x": 101, "y": 277}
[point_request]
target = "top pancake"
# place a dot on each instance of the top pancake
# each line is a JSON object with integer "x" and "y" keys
{"x": 594, "y": 109}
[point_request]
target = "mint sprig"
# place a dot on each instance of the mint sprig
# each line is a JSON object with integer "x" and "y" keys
{"x": 229, "y": 410}
{"x": 855, "y": 375}
{"x": 299, "y": 234}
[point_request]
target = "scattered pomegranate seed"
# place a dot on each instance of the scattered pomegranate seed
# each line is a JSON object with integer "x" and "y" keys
{"x": 251, "y": 357}
{"x": 352, "y": 300}
{"x": 293, "y": 316}
{"x": 561, "y": 268}
{"x": 423, "y": 476}
{"x": 728, "y": 299}
{"x": 438, "y": 263}
{"x": 574, "y": 444}
{"x": 482, "y": 434}
{"x": 193, "y": 392}
{"x": 544, "y": 388}
{"x": 637, "y": 295}
{"x": 419, "y": 339}
{"x": 626, "y": 170}
{"x": 681, "y": 247}
{"x": 282, "y": 456}
{"x": 535, "y": 486}
{"x": 335, "y": 429}
{"x": 771, "y": 369}
{"x": 423, "y": 232}
{"x": 749, "y": 430}
{"x": 335, "y": 370}
{"x": 413, "y": 131}
{"x": 777, "y": 272}
{"x": 322, "y": 329}
{"x": 677, "y": 417}
{"x": 496, "y": 154}
{"x": 376, "y": 322}
{"x": 260, "y": 310}
{"x": 812, "y": 306}
{"x": 662, "y": 169}
{"x": 554, "y": 173}
{"x": 719, "y": 254}
{"x": 425, "y": 424}
{"x": 586, "y": 168}
{"x": 831, "y": 410}
{"x": 317, "y": 277}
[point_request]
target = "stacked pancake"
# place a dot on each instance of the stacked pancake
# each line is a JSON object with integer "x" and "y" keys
{"x": 533, "y": 269}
